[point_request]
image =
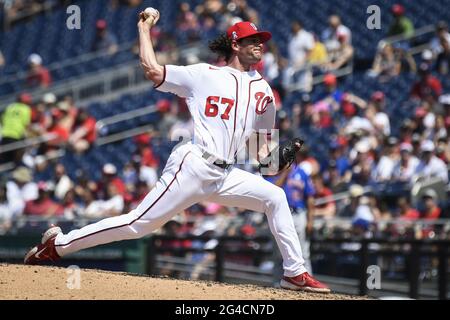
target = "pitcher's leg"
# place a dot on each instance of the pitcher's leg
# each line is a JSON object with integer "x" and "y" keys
{"x": 300, "y": 221}
{"x": 245, "y": 190}
{"x": 176, "y": 190}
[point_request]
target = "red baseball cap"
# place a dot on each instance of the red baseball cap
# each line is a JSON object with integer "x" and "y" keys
{"x": 330, "y": 79}
{"x": 377, "y": 96}
{"x": 398, "y": 9}
{"x": 246, "y": 29}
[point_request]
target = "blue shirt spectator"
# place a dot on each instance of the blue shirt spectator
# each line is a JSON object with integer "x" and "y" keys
{"x": 298, "y": 187}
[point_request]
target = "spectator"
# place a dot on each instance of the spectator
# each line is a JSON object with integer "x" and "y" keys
{"x": 363, "y": 162}
{"x": 385, "y": 167}
{"x": 401, "y": 25}
{"x": 208, "y": 28}
{"x": 300, "y": 44}
{"x": 333, "y": 179}
{"x": 405, "y": 59}
{"x": 72, "y": 209}
{"x": 63, "y": 184}
{"x": 355, "y": 192}
{"x": 330, "y": 35}
{"x": 321, "y": 117}
{"x": 188, "y": 26}
{"x": 241, "y": 9}
{"x": 43, "y": 206}
{"x": 337, "y": 154}
{"x": 340, "y": 56}
{"x": 144, "y": 173}
{"x": 84, "y": 132}
{"x": 430, "y": 165}
{"x": 427, "y": 58}
{"x": 377, "y": 115}
{"x": 427, "y": 85}
{"x": 109, "y": 177}
{"x": 285, "y": 126}
{"x": 405, "y": 167}
{"x": 431, "y": 210}
{"x": 104, "y": 39}
{"x": 365, "y": 212}
{"x": 318, "y": 54}
{"x": 271, "y": 63}
{"x": 60, "y": 131}
{"x": 406, "y": 212}
{"x": 167, "y": 117}
{"x": 112, "y": 205}
{"x": 20, "y": 189}
{"x": 15, "y": 123}
{"x": 385, "y": 65}
{"x": 333, "y": 95}
{"x": 327, "y": 209}
{"x": 307, "y": 162}
{"x": 38, "y": 75}
{"x": 145, "y": 151}
{"x": 440, "y": 46}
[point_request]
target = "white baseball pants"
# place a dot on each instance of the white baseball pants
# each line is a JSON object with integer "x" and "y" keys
{"x": 187, "y": 179}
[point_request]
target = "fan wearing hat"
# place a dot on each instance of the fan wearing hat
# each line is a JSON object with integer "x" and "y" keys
{"x": 19, "y": 189}
{"x": 431, "y": 210}
{"x": 401, "y": 25}
{"x": 430, "y": 165}
{"x": 104, "y": 40}
{"x": 38, "y": 75}
{"x": 109, "y": 176}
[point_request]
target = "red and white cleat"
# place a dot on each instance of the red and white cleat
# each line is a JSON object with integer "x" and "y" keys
{"x": 304, "y": 282}
{"x": 45, "y": 251}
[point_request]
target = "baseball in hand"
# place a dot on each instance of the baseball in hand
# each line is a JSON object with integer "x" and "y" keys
{"x": 151, "y": 12}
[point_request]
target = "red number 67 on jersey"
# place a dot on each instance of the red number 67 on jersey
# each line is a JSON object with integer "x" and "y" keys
{"x": 212, "y": 109}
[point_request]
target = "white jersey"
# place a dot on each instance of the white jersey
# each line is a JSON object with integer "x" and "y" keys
{"x": 226, "y": 105}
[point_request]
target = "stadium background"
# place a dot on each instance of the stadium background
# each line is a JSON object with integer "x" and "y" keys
{"x": 97, "y": 86}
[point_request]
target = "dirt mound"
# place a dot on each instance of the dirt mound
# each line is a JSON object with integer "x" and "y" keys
{"x": 38, "y": 282}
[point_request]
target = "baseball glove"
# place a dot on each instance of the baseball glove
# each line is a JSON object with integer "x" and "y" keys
{"x": 282, "y": 156}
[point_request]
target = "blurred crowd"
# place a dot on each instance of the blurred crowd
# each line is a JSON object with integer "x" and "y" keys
{"x": 363, "y": 149}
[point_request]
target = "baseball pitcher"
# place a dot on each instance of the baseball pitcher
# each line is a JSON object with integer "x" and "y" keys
{"x": 228, "y": 104}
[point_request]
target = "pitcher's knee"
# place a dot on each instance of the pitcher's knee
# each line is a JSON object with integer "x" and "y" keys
{"x": 276, "y": 196}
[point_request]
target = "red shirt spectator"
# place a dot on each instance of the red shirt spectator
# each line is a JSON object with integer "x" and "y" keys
{"x": 110, "y": 177}
{"x": 148, "y": 158}
{"x": 84, "y": 130}
{"x": 38, "y": 75}
{"x": 43, "y": 205}
{"x": 427, "y": 85}
{"x": 411, "y": 214}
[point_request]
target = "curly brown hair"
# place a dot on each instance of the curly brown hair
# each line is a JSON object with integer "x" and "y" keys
{"x": 221, "y": 46}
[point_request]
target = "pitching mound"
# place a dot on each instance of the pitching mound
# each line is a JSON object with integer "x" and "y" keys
{"x": 37, "y": 282}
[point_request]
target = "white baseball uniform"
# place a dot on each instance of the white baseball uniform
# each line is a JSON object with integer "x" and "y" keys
{"x": 227, "y": 106}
